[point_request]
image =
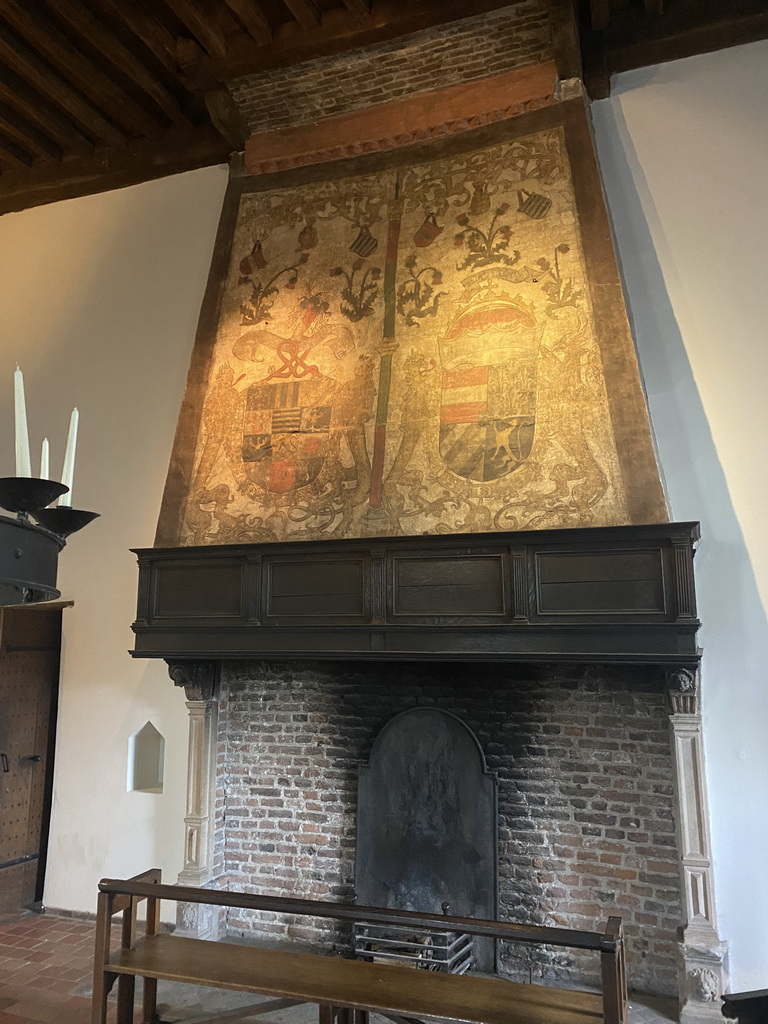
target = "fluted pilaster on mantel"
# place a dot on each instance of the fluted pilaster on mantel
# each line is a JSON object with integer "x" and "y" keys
{"x": 200, "y": 683}
{"x": 704, "y": 957}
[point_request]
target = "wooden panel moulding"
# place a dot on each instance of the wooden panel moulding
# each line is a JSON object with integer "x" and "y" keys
{"x": 599, "y": 595}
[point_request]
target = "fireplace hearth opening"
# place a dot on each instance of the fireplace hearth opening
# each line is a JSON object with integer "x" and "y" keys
{"x": 585, "y": 799}
{"x": 427, "y": 838}
{"x": 571, "y": 656}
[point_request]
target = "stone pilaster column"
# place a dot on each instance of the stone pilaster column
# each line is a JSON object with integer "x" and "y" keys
{"x": 703, "y": 957}
{"x": 200, "y": 682}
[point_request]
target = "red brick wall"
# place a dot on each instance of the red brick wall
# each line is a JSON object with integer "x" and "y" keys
{"x": 585, "y": 794}
{"x": 462, "y": 51}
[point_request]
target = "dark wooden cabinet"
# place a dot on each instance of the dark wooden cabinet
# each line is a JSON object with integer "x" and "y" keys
{"x": 614, "y": 594}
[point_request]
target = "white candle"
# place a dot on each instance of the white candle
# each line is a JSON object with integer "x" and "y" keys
{"x": 68, "y": 473}
{"x": 23, "y": 461}
{"x": 44, "y": 460}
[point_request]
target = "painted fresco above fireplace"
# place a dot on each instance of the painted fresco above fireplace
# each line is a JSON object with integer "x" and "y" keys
{"x": 432, "y": 344}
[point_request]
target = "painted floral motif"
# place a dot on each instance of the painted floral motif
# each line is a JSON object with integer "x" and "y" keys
{"x": 395, "y": 355}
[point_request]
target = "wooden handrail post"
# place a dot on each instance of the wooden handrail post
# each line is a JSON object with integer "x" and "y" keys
{"x": 613, "y": 976}
{"x": 100, "y": 958}
{"x": 149, "y": 1001}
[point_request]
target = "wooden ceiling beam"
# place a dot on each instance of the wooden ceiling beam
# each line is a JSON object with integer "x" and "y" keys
{"x": 23, "y": 61}
{"x": 253, "y": 20}
{"x": 27, "y": 135}
{"x": 358, "y": 6}
{"x": 600, "y": 14}
{"x": 564, "y": 30}
{"x": 141, "y": 160}
{"x": 41, "y": 33}
{"x": 11, "y": 153}
{"x": 306, "y": 12}
{"x": 635, "y": 40}
{"x": 339, "y": 32}
{"x": 87, "y": 25}
{"x": 202, "y": 26}
{"x": 143, "y": 23}
{"x": 40, "y": 114}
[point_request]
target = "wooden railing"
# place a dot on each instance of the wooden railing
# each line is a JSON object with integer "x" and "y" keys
{"x": 340, "y": 987}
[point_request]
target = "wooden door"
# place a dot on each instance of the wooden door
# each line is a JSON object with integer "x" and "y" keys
{"x": 30, "y": 643}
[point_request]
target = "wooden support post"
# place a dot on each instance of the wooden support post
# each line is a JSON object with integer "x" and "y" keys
{"x": 613, "y": 977}
{"x": 149, "y": 1001}
{"x": 101, "y": 982}
{"x": 200, "y": 682}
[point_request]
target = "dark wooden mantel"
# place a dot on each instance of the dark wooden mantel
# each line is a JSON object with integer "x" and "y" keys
{"x": 617, "y": 594}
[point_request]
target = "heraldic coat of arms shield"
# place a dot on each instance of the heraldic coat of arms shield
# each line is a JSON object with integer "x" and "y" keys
{"x": 488, "y": 404}
{"x": 286, "y": 430}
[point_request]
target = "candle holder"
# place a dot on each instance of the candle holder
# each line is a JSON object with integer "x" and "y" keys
{"x": 25, "y": 494}
{"x": 64, "y": 520}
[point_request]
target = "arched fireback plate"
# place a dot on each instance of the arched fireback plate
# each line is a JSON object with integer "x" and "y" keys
{"x": 427, "y": 821}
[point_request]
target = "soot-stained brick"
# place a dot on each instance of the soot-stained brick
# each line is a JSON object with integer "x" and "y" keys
{"x": 461, "y": 51}
{"x": 581, "y": 836}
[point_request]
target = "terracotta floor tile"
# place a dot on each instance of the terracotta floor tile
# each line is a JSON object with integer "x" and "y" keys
{"x": 35, "y": 1011}
{"x": 39, "y": 979}
{"x": 28, "y": 941}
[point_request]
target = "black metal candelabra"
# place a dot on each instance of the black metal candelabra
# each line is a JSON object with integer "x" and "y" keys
{"x": 29, "y": 551}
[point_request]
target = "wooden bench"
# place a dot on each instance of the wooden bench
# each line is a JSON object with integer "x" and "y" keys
{"x": 345, "y": 990}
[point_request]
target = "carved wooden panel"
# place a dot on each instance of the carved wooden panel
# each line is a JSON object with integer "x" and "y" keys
{"x": 596, "y": 595}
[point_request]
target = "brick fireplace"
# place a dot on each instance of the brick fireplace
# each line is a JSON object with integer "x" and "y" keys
{"x": 585, "y": 794}
{"x": 568, "y": 653}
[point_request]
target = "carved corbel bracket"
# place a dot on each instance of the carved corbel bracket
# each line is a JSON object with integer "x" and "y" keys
{"x": 200, "y": 679}
{"x": 683, "y": 689}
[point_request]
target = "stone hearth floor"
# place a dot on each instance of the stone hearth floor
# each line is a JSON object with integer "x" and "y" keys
{"x": 45, "y": 978}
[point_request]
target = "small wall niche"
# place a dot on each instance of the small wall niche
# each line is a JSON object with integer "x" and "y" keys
{"x": 146, "y": 757}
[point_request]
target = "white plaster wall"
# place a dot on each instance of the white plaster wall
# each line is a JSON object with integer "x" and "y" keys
{"x": 99, "y": 299}
{"x": 683, "y": 149}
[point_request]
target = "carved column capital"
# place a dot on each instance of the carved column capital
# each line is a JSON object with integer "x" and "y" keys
{"x": 703, "y": 957}
{"x": 683, "y": 689}
{"x": 200, "y": 679}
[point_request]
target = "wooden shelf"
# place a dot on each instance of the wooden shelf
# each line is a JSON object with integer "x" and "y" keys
{"x": 615, "y": 594}
{"x": 390, "y": 989}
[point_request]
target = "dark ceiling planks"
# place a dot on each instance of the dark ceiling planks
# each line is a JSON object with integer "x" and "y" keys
{"x": 27, "y": 135}
{"x": 43, "y": 77}
{"x": 126, "y": 60}
{"x": 91, "y": 88}
{"x": 623, "y": 36}
{"x": 339, "y": 30}
{"x": 144, "y": 23}
{"x": 95, "y": 94}
{"x": 253, "y": 20}
{"x": 168, "y": 153}
{"x": 60, "y": 53}
{"x": 202, "y": 25}
{"x": 306, "y": 12}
